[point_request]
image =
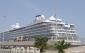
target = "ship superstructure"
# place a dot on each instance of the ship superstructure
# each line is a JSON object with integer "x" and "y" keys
{"x": 54, "y": 28}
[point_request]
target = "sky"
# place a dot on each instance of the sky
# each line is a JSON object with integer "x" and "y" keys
{"x": 24, "y": 12}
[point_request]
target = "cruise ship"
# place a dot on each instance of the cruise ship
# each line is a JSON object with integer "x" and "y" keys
{"x": 53, "y": 27}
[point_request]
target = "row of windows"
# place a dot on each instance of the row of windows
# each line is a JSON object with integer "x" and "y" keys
{"x": 65, "y": 38}
{"x": 43, "y": 28}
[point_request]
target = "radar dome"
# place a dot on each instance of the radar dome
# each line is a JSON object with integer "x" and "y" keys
{"x": 58, "y": 19}
{"x": 52, "y": 18}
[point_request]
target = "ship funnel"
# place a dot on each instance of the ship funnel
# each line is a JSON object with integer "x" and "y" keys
{"x": 40, "y": 18}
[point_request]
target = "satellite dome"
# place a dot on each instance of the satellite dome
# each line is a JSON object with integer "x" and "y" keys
{"x": 58, "y": 19}
{"x": 52, "y": 18}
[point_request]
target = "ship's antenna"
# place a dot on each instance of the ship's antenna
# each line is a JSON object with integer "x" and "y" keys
{"x": 55, "y": 9}
{"x": 55, "y": 14}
